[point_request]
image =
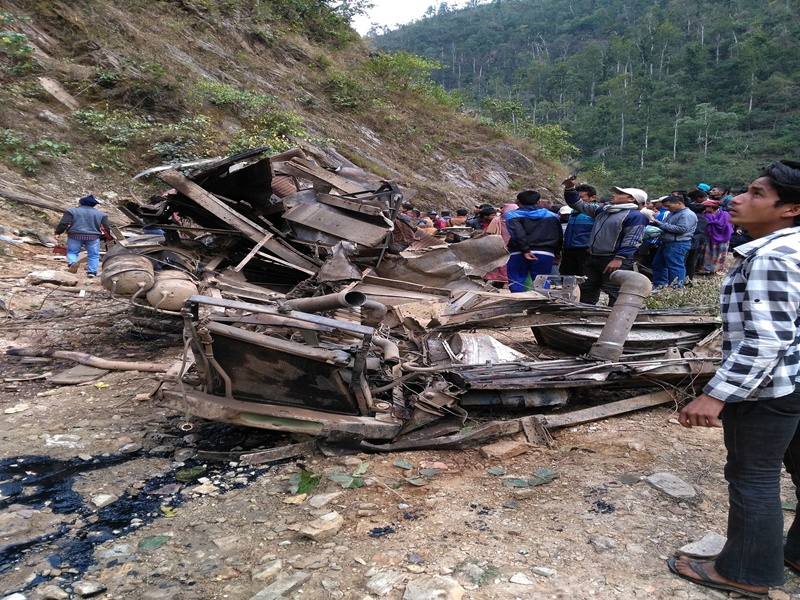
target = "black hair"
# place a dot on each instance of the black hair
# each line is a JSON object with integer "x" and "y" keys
{"x": 669, "y": 199}
{"x": 528, "y": 197}
{"x": 784, "y": 175}
{"x": 462, "y": 212}
{"x": 488, "y": 210}
{"x": 586, "y": 188}
{"x": 697, "y": 195}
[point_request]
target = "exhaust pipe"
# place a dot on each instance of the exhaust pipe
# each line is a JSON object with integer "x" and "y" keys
{"x": 328, "y": 302}
{"x": 634, "y": 288}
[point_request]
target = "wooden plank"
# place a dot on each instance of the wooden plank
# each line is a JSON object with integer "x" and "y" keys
{"x": 308, "y": 170}
{"x": 604, "y": 411}
{"x": 265, "y": 456}
{"x": 55, "y": 89}
{"x": 222, "y": 211}
{"x": 344, "y": 203}
{"x": 332, "y": 221}
{"x": 252, "y": 253}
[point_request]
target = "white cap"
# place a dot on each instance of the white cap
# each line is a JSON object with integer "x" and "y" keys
{"x": 639, "y": 195}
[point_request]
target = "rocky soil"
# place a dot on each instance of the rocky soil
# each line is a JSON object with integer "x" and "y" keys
{"x": 101, "y": 496}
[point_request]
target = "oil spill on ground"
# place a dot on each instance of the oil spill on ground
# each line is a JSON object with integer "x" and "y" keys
{"x": 37, "y": 482}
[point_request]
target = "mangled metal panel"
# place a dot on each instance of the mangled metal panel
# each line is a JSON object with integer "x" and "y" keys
{"x": 333, "y": 221}
{"x": 448, "y": 264}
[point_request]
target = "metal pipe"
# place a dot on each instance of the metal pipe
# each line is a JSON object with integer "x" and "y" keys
{"x": 391, "y": 353}
{"x": 634, "y": 288}
{"x": 329, "y": 302}
{"x": 377, "y": 310}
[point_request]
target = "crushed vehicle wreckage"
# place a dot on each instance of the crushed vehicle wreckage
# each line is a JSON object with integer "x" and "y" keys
{"x": 308, "y": 306}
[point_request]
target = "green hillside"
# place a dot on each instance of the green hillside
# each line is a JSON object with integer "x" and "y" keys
{"x": 93, "y": 91}
{"x": 658, "y": 93}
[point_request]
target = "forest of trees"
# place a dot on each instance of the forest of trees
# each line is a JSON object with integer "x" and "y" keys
{"x": 652, "y": 93}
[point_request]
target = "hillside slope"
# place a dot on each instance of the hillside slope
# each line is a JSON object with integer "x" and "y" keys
{"x": 94, "y": 92}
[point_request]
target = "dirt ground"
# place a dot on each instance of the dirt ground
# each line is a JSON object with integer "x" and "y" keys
{"x": 101, "y": 498}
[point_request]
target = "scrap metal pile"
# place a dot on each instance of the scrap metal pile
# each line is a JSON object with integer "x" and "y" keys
{"x": 309, "y": 307}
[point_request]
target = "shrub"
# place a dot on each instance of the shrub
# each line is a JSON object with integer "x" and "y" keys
{"x": 14, "y": 47}
{"x": 28, "y": 156}
{"x": 346, "y": 93}
{"x": 115, "y": 127}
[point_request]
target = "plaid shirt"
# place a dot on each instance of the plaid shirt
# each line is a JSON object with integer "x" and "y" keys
{"x": 761, "y": 320}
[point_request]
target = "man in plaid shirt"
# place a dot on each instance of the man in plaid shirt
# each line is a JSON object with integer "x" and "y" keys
{"x": 752, "y": 396}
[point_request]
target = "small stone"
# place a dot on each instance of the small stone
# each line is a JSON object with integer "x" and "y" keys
{"x": 543, "y": 571}
{"x": 438, "y": 586}
{"x": 671, "y": 485}
{"x": 283, "y": 586}
{"x": 383, "y": 583}
{"x": 103, "y": 500}
{"x": 53, "y": 592}
{"x": 267, "y": 572}
{"x": 323, "y": 528}
{"x": 602, "y": 544}
{"x": 321, "y": 500}
{"x": 709, "y": 546}
{"x": 205, "y": 488}
{"x": 228, "y": 543}
{"x": 505, "y": 449}
{"x": 521, "y": 579}
{"x": 87, "y": 589}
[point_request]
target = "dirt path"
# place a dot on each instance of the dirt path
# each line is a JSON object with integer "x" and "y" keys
{"x": 101, "y": 497}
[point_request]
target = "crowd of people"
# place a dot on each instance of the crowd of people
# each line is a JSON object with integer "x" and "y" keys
{"x": 671, "y": 239}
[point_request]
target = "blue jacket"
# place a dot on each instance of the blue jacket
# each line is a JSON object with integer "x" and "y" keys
{"x": 579, "y": 228}
{"x": 533, "y": 228}
{"x": 84, "y": 220}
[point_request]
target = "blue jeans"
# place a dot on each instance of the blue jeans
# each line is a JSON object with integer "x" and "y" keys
{"x": 669, "y": 264}
{"x": 759, "y": 436}
{"x": 92, "y": 253}
{"x": 520, "y": 267}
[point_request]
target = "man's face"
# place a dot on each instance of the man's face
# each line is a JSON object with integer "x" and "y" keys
{"x": 715, "y": 192}
{"x": 620, "y": 198}
{"x": 586, "y": 197}
{"x": 674, "y": 207}
{"x": 755, "y": 209}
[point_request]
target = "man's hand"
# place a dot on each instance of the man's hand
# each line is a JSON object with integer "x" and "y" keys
{"x": 703, "y": 411}
{"x": 612, "y": 266}
{"x": 530, "y": 256}
{"x": 569, "y": 181}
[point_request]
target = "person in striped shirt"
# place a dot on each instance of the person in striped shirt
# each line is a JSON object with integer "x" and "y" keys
{"x": 753, "y": 395}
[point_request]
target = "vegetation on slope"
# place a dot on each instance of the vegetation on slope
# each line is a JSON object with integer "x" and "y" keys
{"x": 658, "y": 93}
{"x": 144, "y": 83}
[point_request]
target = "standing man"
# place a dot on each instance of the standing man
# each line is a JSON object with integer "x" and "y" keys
{"x": 677, "y": 229}
{"x": 577, "y": 233}
{"x": 85, "y": 225}
{"x": 535, "y": 239}
{"x": 753, "y": 395}
{"x": 617, "y": 232}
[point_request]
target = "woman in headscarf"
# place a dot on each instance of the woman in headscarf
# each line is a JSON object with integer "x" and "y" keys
{"x": 499, "y": 277}
{"x": 718, "y": 234}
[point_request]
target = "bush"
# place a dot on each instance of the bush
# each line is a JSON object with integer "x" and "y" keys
{"x": 14, "y": 47}
{"x": 29, "y": 156}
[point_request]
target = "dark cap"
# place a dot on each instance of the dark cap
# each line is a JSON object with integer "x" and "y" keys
{"x": 89, "y": 201}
